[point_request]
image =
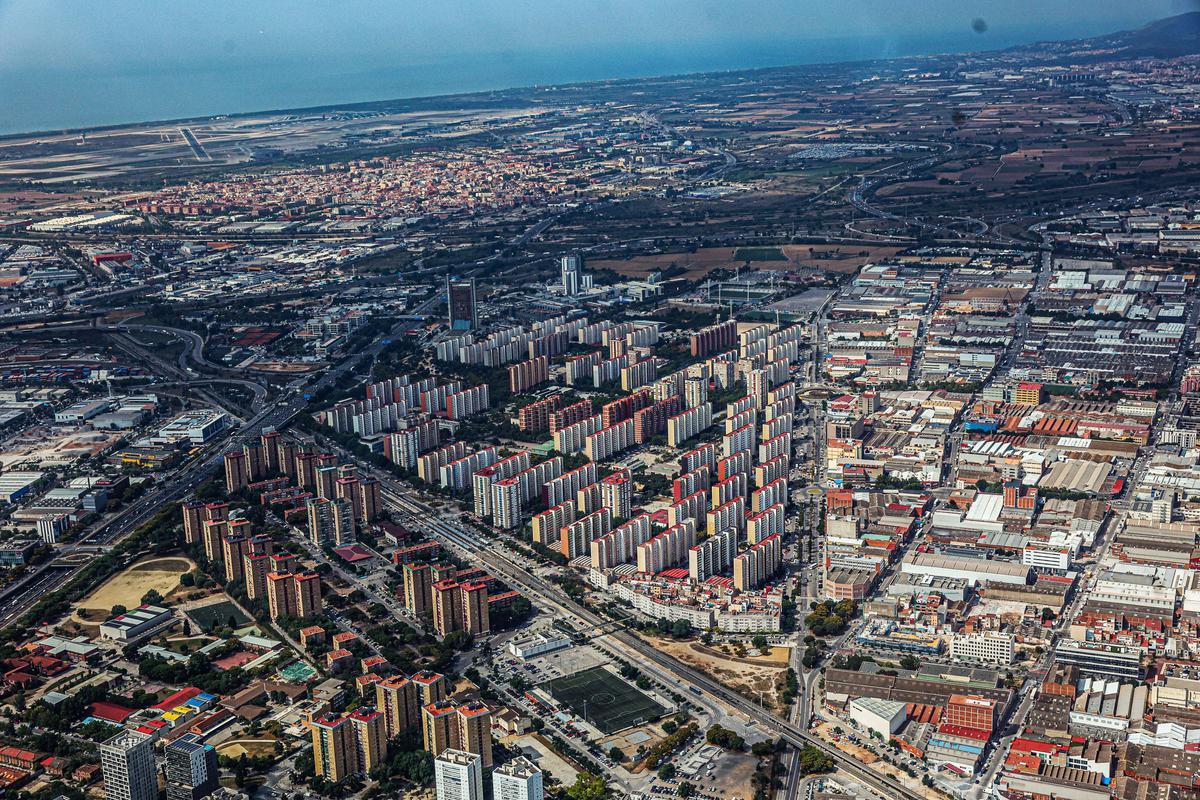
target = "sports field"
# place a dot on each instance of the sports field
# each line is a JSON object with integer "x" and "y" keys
{"x": 222, "y": 613}
{"x": 759, "y": 254}
{"x": 604, "y": 700}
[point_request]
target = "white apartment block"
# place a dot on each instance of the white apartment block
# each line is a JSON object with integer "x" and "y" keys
{"x": 607, "y": 442}
{"x": 989, "y": 647}
{"x": 692, "y": 422}
{"x": 712, "y": 556}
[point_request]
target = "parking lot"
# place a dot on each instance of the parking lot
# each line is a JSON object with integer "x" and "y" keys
{"x": 549, "y": 666}
{"x": 713, "y": 773}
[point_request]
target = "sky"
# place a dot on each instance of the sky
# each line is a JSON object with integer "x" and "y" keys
{"x": 49, "y": 34}
{"x": 84, "y": 63}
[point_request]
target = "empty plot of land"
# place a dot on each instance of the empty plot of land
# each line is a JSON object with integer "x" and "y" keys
{"x": 844, "y": 258}
{"x": 628, "y": 741}
{"x": 756, "y": 677}
{"x": 604, "y": 700}
{"x": 733, "y": 776}
{"x": 127, "y": 588}
{"x": 251, "y": 748}
{"x": 696, "y": 265}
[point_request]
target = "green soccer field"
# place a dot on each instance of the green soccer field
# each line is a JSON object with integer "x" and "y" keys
{"x": 759, "y": 254}
{"x": 604, "y": 700}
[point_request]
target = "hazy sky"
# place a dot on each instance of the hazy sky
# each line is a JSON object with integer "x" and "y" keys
{"x": 43, "y": 34}
{"x": 82, "y": 63}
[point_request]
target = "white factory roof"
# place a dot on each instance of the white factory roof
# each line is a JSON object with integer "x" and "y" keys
{"x": 990, "y": 448}
{"x": 985, "y": 508}
{"x": 885, "y": 709}
{"x": 17, "y": 481}
{"x": 921, "y": 561}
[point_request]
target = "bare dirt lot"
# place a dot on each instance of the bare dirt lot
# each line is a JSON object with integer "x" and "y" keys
{"x": 248, "y": 747}
{"x": 732, "y": 777}
{"x": 754, "y": 677}
{"x": 128, "y": 587}
{"x": 696, "y": 265}
{"x": 536, "y": 747}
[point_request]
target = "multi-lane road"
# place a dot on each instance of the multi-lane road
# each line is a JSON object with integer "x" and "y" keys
{"x": 51, "y": 576}
{"x": 489, "y": 554}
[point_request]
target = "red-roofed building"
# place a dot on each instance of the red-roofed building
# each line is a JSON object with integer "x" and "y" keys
{"x": 114, "y": 258}
{"x": 922, "y": 713}
{"x": 424, "y": 551}
{"x": 153, "y": 728}
{"x": 312, "y": 636}
{"x": 843, "y": 403}
{"x": 45, "y": 665}
{"x": 177, "y": 699}
{"x": 25, "y": 760}
{"x": 36, "y": 664}
{"x": 54, "y": 765}
{"x": 366, "y": 685}
{"x": 394, "y": 532}
{"x": 1028, "y": 393}
{"x": 353, "y": 553}
{"x": 338, "y": 660}
{"x": 374, "y": 664}
{"x": 502, "y": 599}
{"x": 957, "y": 745}
{"x": 19, "y": 678}
{"x": 978, "y": 734}
{"x": 86, "y": 773}
{"x": 971, "y": 712}
{"x": 839, "y": 499}
{"x": 209, "y": 724}
{"x": 1028, "y": 755}
{"x": 110, "y": 712}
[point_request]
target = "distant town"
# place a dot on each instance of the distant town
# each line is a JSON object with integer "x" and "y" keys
{"x": 808, "y": 433}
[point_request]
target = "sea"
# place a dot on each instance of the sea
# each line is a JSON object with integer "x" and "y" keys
{"x": 69, "y": 97}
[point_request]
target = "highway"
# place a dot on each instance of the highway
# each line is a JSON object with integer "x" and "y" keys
{"x": 871, "y": 181}
{"x": 114, "y": 529}
{"x": 181, "y": 370}
{"x": 47, "y": 578}
{"x": 790, "y": 733}
{"x": 193, "y": 344}
{"x": 193, "y": 353}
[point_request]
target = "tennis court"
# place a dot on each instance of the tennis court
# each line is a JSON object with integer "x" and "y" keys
{"x": 604, "y": 700}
